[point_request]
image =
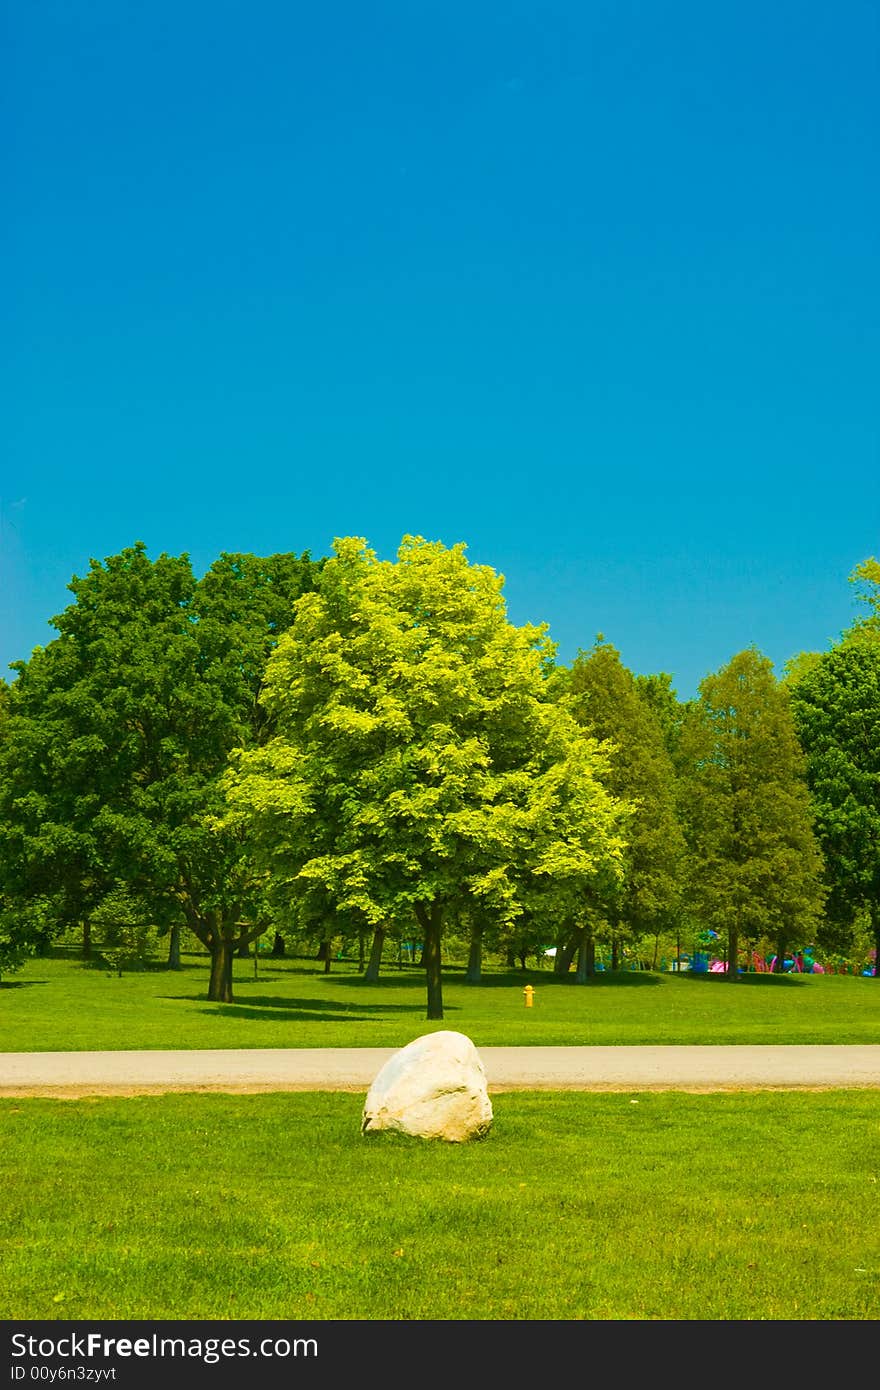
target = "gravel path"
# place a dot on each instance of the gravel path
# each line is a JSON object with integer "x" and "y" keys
{"x": 75, "y": 1074}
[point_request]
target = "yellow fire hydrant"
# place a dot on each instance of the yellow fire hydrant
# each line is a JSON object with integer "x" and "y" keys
{"x": 529, "y": 992}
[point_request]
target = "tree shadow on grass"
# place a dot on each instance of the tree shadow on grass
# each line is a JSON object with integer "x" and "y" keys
{"x": 757, "y": 977}
{"x": 310, "y": 1014}
{"x": 414, "y": 980}
{"x": 612, "y": 979}
{"x": 512, "y": 979}
{"x": 277, "y": 1015}
{"x": 275, "y": 1006}
{"x": 21, "y": 984}
{"x": 99, "y": 962}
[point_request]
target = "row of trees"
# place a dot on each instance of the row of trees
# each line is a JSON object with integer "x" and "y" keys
{"x": 360, "y": 747}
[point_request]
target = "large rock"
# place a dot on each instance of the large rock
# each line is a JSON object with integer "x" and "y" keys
{"x": 434, "y": 1088}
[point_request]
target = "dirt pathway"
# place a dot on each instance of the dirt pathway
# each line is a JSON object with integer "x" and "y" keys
{"x": 73, "y": 1075}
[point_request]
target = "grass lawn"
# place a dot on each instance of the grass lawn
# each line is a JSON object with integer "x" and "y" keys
{"x": 57, "y": 1005}
{"x": 575, "y": 1206}
{"x": 671, "y": 1206}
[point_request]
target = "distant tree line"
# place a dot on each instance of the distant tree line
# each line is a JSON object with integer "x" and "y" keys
{"x": 365, "y": 750}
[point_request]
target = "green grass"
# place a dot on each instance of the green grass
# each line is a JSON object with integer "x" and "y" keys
{"x": 62, "y": 1005}
{"x": 575, "y": 1206}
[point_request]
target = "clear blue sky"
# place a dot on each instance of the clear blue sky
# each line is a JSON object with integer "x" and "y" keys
{"x": 592, "y": 287}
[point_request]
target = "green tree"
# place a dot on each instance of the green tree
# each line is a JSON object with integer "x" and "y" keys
{"x": 21, "y": 932}
{"x": 610, "y": 705}
{"x": 117, "y": 735}
{"x": 756, "y": 867}
{"x": 836, "y": 706}
{"x": 50, "y": 862}
{"x": 797, "y": 667}
{"x": 419, "y": 764}
{"x": 125, "y": 924}
{"x": 866, "y": 579}
{"x": 660, "y": 697}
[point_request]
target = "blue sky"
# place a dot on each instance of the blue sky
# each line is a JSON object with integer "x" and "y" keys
{"x": 592, "y": 287}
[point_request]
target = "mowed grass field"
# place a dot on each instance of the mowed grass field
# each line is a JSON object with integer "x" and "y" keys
{"x": 576, "y": 1206}
{"x": 63, "y": 1005}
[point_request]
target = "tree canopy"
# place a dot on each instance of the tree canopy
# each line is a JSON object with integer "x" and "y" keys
{"x": 420, "y": 765}
{"x": 116, "y": 734}
{"x": 609, "y": 704}
{"x": 756, "y": 868}
{"x": 836, "y": 706}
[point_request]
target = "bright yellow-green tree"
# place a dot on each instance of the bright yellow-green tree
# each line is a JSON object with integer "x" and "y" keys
{"x": 419, "y": 765}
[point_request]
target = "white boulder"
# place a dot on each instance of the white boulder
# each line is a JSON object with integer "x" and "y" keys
{"x": 434, "y": 1088}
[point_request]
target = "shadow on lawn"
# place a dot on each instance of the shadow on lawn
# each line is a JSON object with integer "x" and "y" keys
{"x": 613, "y": 979}
{"x": 757, "y": 977}
{"x": 21, "y": 984}
{"x": 275, "y": 1006}
{"x": 513, "y": 979}
{"x": 311, "y": 1014}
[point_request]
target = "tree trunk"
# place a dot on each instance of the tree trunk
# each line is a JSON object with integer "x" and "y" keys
{"x": 361, "y": 952}
{"x": 733, "y": 953}
{"x": 278, "y": 945}
{"x": 174, "y": 948}
{"x": 431, "y": 920}
{"x": 371, "y": 974}
{"x": 474, "y": 972}
{"x": 243, "y": 951}
{"x": 586, "y": 966}
{"x": 220, "y": 983}
{"x": 86, "y": 939}
{"x": 565, "y": 949}
{"x": 220, "y": 936}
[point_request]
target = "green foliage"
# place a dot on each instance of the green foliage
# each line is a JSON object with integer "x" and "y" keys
{"x": 799, "y": 666}
{"x": 609, "y": 703}
{"x": 20, "y": 930}
{"x": 866, "y": 579}
{"x": 657, "y": 693}
{"x": 836, "y": 707}
{"x": 419, "y": 765}
{"x": 130, "y": 940}
{"x": 756, "y": 864}
{"x": 400, "y": 750}
{"x": 116, "y": 734}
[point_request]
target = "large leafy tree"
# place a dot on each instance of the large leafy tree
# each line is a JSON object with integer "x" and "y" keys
{"x": 609, "y": 704}
{"x": 419, "y": 767}
{"x": 836, "y": 705}
{"x": 119, "y": 730}
{"x": 756, "y": 867}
